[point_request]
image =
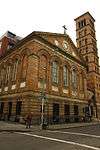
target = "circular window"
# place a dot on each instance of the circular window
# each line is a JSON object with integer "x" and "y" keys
{"x": 56, "y": 42}
{"x": 65, "y": 44}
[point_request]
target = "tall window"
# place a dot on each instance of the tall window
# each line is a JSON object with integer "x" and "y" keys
{"x": 8, "y": 71}
{"x": 74, "y": 79}
{"x": 14, "y": 71}
{"x": 81, "y": 82}
{"x": 43, "y": 67}
{"x": 24, "y": 67}
{"x": 43, "y": 71}
{"x": 65, "y": 76}
{"x": 55, "y": 72}
{"x": 2, "y": 76}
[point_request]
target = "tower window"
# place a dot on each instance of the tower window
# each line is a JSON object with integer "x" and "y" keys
{"x": 79, "y": 25}
{"x": 82, "y": 23}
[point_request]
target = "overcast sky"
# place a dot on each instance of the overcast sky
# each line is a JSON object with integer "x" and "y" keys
{"x": 25, "y": 16}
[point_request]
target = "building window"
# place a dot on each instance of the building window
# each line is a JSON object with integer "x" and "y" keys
{"x": 81, "y": 82}
{"x": 2, "y": 76}
{"x": 24, "y": 68}
{"x": 8, "y": 71}
{"x": 79, "y": 24}
{"x": 82, "y": 23}
{"x": 65, "y": 76}
{"x": 43, "y": 72}
{"x": 74, "y": 79}
{"x": 55, "y": 72}
{"x": 14, "y": 71}
{"x": 43, "y": 67}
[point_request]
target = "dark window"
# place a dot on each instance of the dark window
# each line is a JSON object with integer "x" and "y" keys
{"x": 56, "y": 112}
{"x": 9, "y": 109}
{"x": 66, "y": 109}
{"x": 84, "y": 22}
{"x": 18, "y": 108}
{"x": 41, "y": 108}
{"x": 76, "y": 112}
{"x": 67, "y": 113}
{"x": 1, "y": 107}
{"x": 79, "y": 24}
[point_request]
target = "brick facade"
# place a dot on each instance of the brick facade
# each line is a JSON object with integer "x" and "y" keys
{"x": 30, "y": 80}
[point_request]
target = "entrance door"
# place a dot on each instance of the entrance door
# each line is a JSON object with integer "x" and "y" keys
{"x": 67, "y": 113}
{"x": 9, "y": 109}
{"x": 76, "y": 112}
{"x": 55, "y": 112}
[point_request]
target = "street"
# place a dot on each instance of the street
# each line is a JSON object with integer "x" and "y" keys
{"x": 81, "y": 138}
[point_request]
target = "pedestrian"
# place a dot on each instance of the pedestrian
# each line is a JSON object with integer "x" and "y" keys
{"x": 28, "y": 120}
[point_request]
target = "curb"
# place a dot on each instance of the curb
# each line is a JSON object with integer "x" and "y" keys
{"x": 6, "y": 130}
{"x": 74, "y": 126}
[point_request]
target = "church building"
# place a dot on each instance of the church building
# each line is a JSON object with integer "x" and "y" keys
{"x": 47, "y": 75}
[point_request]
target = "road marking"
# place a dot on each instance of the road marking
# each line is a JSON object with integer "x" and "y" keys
{"x": 88, "y": 135}
{"x": 58, "y": 140}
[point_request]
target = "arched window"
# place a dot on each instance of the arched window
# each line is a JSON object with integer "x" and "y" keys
{"x": 2, "y": 76}
{"x": 43, "y": 67}
{"x": 42, "y": 71}
{"x": 74, "y": 79}
{"x": 8, "y": 71}
{"x": 14, "y": 70}
{"x": 24, "y": 67}
{"x": 81, "y": 82}
{"x": 65, "y": 76}
{"x": 55, "y": 72}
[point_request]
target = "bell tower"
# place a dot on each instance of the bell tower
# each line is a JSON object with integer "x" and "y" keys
{"x": 87, "y": 46}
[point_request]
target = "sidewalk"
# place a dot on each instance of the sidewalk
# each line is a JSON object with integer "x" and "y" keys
{"x": 16, "y": 127}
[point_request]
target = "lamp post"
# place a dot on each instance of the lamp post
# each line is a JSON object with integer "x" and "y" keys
{"x": 43, "y": 103}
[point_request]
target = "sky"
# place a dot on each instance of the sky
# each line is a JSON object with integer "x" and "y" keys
{"x": 25, "y": 16}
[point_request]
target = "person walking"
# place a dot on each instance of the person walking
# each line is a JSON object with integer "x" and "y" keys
{"x": 28, "y": 120}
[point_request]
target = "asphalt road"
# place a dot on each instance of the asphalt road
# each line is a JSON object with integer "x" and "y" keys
{"x": 83, "y": 138}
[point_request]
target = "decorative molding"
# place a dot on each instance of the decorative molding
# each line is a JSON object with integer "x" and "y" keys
{"x": 65, "y": 91}
{"x": 23, "y": 84}
{"x": 6, "y": 89}
{"x": 54, "y": 88}
{"x": 13, "y": 87}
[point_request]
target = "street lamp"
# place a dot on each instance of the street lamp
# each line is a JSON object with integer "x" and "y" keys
{"x": 43, "y": 97}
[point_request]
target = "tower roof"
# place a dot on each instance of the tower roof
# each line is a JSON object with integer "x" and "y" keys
{"x": 87, "y": 13}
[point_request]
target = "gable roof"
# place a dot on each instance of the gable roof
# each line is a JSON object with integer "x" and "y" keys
{"x": 43, "y": 34}
{"x": 38, "y": 36}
